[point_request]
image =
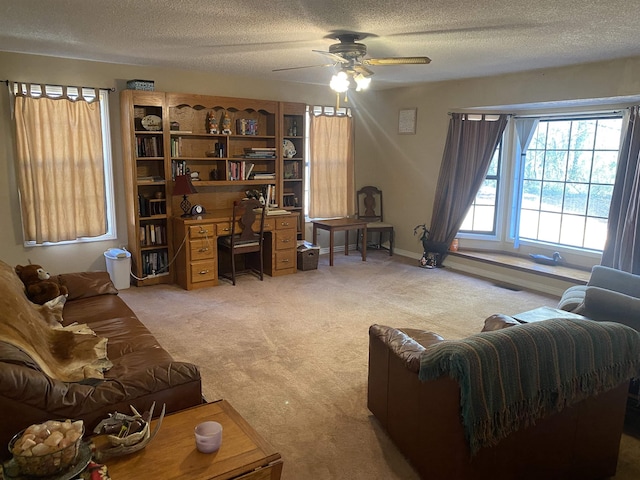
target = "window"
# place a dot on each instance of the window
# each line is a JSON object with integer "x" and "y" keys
{"x": 567, "y": 174}
{"x": 481, "y": 217}
{"x": 64, "y": 164}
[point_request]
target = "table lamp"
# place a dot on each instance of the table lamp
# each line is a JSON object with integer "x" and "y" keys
{"x": 184, "y": 187}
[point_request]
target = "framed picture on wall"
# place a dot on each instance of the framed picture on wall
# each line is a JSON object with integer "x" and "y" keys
{"x": 407, "y": 121}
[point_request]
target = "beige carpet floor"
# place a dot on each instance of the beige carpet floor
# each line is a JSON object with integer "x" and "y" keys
{"x": 290, "y": 353}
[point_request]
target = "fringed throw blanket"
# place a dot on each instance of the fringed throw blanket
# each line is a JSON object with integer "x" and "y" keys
{"x": 509, "y": 378}
{"x": 68, "y": 354}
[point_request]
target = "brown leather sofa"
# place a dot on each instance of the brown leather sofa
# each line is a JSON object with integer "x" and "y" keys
{"x": 423, "y": 419}
{"x": 142, "y": 372}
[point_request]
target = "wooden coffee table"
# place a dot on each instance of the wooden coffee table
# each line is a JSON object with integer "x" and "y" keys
{"x": 340, "y": 225}
{"x": 172, "y": 454}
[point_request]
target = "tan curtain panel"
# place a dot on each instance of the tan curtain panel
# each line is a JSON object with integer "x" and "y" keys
{"x": 331, "y": 167}
{"x": 60, "y": 168}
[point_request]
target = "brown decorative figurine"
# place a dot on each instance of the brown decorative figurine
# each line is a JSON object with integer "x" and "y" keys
{"x": 212, "y": 124}
{"x": 225, "y": 122}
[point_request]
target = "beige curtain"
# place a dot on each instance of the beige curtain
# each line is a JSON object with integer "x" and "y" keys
{"x": 60, "y": 168}
{"x": 331, "y": 167}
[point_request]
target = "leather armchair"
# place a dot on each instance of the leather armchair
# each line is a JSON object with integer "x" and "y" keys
{"x": 423, "y": 420}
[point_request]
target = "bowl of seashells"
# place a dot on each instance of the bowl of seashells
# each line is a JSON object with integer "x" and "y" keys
{"x": 47, "y": 448}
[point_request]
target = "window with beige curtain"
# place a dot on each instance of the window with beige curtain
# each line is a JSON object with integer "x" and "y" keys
{"x": 60, "y": 163}
{"x": 331, "y": 166}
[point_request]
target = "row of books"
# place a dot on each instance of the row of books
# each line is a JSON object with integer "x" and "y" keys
{"x": 178, "y": 167}
{"x": 155, "y": 262}
{"x": 260, "y": 152}
{"x": 151, "y": 206}
{"x": 176, "y": 147}
{"x": 240, "y": 170}
{"x": 148, "y": 147}
{"x": 153, "y": 234}
{"x": 292, "y": 170}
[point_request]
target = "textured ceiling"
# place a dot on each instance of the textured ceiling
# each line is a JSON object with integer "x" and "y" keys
{"x": 464, "y": 38}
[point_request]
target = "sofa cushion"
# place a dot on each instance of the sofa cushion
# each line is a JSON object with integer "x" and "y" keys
{"x": 95, "y": 309}
{"x": 607, "y": 305}
{"x": 11, "y": 354}
{"x": 86, "y": 284}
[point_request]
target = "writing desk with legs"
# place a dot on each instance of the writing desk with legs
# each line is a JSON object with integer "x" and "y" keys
{"x": 196, "y": 239}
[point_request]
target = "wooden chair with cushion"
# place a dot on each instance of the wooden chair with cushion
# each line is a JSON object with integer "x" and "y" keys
{"x": 369, "y": 208}
{"x": 247, "y": 237}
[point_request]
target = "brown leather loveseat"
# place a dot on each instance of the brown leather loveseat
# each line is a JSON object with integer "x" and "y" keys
{"x": 578, "y": 438}
{"x": 142, "y": 371}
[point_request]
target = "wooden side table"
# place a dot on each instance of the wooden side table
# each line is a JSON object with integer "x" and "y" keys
{"x": 340, "y": 225}
{"x": 172, "y": 454}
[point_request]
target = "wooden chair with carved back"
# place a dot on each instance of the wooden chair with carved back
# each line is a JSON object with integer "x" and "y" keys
{"x": 369, "y": 208}
{"x": 247, "y": 237}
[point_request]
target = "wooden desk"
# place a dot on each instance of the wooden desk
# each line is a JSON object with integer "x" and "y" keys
{"x": 196, "y": 263}
{"x": 172, "y": 454}
{"x": 340, "y": 225}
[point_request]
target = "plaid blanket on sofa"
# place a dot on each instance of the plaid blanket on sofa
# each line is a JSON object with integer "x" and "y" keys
{"x": 509, "y": 378}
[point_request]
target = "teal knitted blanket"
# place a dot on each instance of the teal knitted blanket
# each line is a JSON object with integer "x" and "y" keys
{"x": 509, "y": 378}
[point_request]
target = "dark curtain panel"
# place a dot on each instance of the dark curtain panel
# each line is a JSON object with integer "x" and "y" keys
{"x": 465, "y": 162}
{"x": 621, "y": 250}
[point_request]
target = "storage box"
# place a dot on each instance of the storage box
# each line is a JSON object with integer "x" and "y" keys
{"x": 141, "y": 85}
{"x": 308, "y": 257}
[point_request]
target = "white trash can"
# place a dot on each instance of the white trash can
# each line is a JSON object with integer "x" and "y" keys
{"x": 119, "y": 267}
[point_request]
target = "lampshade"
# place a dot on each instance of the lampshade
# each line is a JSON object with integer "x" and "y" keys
{"x": 183, "y": 185}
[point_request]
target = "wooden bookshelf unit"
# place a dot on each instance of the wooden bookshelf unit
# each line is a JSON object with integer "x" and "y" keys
{"x": 228, "y": 146}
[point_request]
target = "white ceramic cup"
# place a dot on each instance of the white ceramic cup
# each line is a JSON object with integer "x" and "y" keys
{"x": 208, "y": 436}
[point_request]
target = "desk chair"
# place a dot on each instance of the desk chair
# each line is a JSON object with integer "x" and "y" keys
{"x": 249, "y": 240}
{"x": 369, "y": 208}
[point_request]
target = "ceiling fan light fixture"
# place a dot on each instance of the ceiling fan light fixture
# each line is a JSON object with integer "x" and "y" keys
{"x": 362, "y": 82}
{"x": 339, "y": 82}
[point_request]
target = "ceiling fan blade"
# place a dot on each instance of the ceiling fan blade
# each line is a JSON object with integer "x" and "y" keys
{"x": 306, "y": 66}
{"x": 363, "y": 70}
{"x": 396, "y": 61}
{"x": 335, "y": 57}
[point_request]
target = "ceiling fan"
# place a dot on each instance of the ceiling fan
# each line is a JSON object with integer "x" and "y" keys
{"x": 349, "y": 55}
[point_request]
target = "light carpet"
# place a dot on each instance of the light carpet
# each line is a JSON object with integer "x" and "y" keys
{"x": 290, "y": 353}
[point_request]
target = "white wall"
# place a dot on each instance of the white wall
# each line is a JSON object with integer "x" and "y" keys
{"x": 405, "y": 167}
{"x": 38, "y": 69}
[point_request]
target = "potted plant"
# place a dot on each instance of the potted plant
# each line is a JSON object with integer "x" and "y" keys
{"x": 432, "y": 251}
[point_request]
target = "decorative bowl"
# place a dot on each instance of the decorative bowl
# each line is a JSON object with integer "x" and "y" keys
{"x": 47, "y": 448}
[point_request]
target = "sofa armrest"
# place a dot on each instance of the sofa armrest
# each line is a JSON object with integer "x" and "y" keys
{"x": 407, "y": 343}
{"x": 86, "y": 284}
{"x": 606, "y": 305}
{"x": 616, "y": 280}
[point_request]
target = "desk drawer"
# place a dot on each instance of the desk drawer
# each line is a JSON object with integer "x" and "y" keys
{"x": 286, "y": 259}
{"x": 284, "y": 223}
{"x": 203, "y": 270}
{"x": 283, "y": 239}
{"x": 201, "y": 231}
{"x": 202, "y": 248}
{"x": 223, "y": 229}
